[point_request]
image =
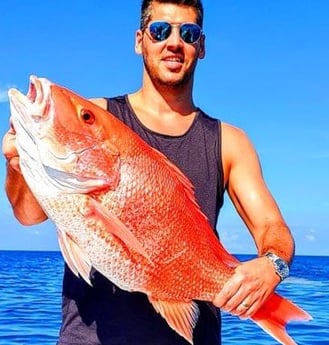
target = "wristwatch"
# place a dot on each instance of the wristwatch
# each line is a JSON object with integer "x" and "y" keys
{"x": 280, "y": 266}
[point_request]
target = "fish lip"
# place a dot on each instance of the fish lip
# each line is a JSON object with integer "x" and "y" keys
{"x": 37, "y": 100}
{"x": 32, "y": 91}
{"x": 39, "y": 92}
{"x": 30, "y": 111}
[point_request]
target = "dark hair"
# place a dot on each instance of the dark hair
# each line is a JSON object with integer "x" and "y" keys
{"x": 147, "y": 8}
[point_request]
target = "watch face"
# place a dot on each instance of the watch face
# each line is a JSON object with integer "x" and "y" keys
{"x": 282, "y": 268}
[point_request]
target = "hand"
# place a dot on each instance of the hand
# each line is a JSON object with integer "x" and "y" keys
{"x": 9, "y": 148}
{"x": 250, "y": 286}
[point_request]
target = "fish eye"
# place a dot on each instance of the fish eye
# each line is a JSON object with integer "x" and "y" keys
{"x": 87, "y": 116}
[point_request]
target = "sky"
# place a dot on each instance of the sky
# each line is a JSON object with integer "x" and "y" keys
{"x": 266, "y": 71}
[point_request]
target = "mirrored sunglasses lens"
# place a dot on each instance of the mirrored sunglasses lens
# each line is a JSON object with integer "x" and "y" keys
{"x": 190, "y": 33}
{"x": 160, "y": 31}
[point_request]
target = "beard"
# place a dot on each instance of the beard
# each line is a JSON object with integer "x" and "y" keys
{"x": 166, "y": 82}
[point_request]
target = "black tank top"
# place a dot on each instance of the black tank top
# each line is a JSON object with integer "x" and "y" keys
{"x": 106, "y": 315}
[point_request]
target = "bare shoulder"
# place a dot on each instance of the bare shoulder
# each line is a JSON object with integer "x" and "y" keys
{"x": 101, "y": 102}
{"x": 234, "y": 139}
{"x": 237, "y": 150}
{"x": 229, "y": 130}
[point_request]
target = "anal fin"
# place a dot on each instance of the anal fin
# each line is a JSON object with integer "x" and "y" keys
{"x": 180, "y": 316}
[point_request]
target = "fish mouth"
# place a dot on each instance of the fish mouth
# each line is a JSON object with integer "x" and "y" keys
{"x": 30, "y": 112}
{"x": 32, "y": 116}
{"x": 35, "y": 105}
{"x": 32, "y": 92}
{"x": 39, "y": 92}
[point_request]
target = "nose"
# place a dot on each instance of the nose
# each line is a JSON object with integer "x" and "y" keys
{"x": 174, "y": 38}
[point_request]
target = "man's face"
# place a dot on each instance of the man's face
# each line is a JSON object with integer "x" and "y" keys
{"x": 170, "y": 62}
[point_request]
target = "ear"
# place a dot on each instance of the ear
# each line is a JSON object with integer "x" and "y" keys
{"x": 202, "y": 47}
{"x": 138, "y": 42}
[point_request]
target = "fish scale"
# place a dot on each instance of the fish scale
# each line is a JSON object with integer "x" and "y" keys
{"x": 122, "y": 208}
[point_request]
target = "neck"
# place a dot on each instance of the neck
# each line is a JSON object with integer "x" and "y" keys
{"x": 166, "y": 110}
{"x": 166, "y": 98}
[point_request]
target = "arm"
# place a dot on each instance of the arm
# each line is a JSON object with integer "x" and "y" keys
{"x": 255, "y": 280}
{"x": 25, "y": 207}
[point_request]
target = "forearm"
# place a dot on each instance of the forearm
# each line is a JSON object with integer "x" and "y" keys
{"x": 276, "y": 238}
{"x": 25, "y": 207}
{"x": 255, "y": 280}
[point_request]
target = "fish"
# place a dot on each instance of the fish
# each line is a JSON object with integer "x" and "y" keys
{"x": 122, "y": 208}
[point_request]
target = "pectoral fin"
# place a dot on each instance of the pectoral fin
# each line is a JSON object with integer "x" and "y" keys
{"x": 115, "y": 226}
{"x": 180, "y": 316}
{"x": 74, "y": 256}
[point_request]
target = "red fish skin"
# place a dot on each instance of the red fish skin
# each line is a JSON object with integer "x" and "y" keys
{"x": 156, "y": 207}
{"x": 137, "y": 221}
{"x": 192, "y": 264}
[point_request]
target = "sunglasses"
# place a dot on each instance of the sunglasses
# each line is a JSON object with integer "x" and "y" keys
{"x": 161, "y": 30}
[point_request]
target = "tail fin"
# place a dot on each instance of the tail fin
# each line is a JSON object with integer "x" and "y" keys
{"x": 275, "y": 314}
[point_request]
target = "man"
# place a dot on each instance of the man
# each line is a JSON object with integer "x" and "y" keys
{"x": 214, "y": 155}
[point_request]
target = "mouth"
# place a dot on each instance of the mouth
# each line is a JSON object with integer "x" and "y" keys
{"x": 174, "y": 58}
{"x": 173, "y": 62}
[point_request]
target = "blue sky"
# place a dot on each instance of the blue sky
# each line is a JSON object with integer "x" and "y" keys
{"x": 266, "y": 70}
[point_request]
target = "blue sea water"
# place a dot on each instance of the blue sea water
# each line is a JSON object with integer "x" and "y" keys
{"x": 30, "y": 300}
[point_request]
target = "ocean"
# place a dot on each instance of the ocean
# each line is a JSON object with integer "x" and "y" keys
{"x": 30, "y": 300}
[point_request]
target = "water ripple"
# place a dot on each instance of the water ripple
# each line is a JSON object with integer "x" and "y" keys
{"x": 30, "y": 301}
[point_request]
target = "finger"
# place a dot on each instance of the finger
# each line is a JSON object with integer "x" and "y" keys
{"x": 242, "y": 302}
{"x": 244, "y": 313}
{"x": 249, "y": 306}
{"x": 9, "y": 145}
{"x": 14, "y": 164}
{"x": 225, "y": 294}
{"x": 231, "y": 295}
{"x": 11, "y": 128}
{"x": 9, "y": 150}
{"x": 244, "y": 309}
